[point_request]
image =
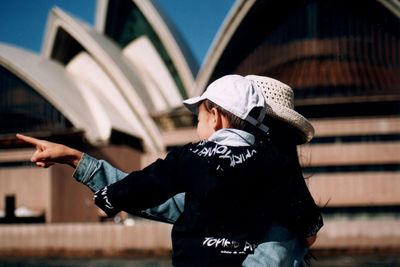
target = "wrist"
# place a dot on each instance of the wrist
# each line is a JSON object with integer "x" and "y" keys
{"x": 74, "y": 156}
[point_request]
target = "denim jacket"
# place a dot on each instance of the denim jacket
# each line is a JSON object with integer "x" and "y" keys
{"x": 281, "y": 247}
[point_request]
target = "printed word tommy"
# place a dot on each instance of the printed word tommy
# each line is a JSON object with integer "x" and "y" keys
{"x": 229, "y": 246}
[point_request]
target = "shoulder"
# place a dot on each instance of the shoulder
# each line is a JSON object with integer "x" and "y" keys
{"x": 181, "y": 152}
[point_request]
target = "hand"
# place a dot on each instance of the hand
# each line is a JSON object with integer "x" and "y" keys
{"x": 48, "y": 153}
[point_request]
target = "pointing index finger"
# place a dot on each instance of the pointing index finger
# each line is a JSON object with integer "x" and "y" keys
{"x": 28, "y": 139}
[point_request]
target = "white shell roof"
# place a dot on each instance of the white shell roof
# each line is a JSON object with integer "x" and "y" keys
{"x": 103, "y": 87}
{"x": 51, "y": 81}
{"x": 111, "y": 105}
{"x": 113, "y": 63}
{"x": 155, "y": 75}
{"x": 174, "y": 49}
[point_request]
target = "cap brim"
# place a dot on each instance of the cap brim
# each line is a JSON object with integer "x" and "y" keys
{"x": 193, "y": 103}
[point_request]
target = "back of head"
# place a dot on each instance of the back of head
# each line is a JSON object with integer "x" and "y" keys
{"x": 236, "y": 95}
{"x": 266, "y": 105}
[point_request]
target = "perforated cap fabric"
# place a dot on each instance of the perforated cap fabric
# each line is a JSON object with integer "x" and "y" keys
{"x": 237, "y": 95}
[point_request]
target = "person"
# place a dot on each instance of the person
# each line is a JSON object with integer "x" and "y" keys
{"x": 241, "y": 181}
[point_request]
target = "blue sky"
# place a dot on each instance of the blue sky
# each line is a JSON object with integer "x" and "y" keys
{"x": 23, "y": 22}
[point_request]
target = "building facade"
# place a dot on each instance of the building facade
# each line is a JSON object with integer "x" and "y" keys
{"x": 115, "y": 91}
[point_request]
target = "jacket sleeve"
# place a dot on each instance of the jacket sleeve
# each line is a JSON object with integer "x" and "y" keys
{"x": 143, "y": 189}
{"x": 280, "y": 248}
{"x": 167, "y": 212}
{"x": 97, "y": 174}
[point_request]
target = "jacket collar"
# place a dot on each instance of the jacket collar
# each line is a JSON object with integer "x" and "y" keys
{"x": 232, "y": 137}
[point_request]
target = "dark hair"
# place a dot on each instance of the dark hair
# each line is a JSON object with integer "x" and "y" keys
{"x": 284, "y": 138}
{"x": 233, "y": 120}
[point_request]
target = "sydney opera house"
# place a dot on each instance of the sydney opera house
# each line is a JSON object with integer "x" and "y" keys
{"x": 115, "y": 90}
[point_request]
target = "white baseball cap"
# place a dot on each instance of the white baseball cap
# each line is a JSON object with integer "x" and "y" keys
{"x": 237, "y": 95}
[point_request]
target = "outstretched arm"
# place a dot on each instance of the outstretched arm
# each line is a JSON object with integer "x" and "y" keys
{"x": 48, "y": 153}
{"x": 96, "y": 174}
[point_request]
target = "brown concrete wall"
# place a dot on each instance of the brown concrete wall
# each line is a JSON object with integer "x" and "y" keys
{"x": 356, "y": 126}
{"x": 12, "y": 155}
{"x": 356, "y": 189}
{"x": 77, "y": 239}
{"x": 180, "y": 136}
{"x": 82, "y": 239}
{"x": 30, "y": 185}
{"x": 362, "y": 233}
{"x": 122, "y": 157}
{"x": 350, "y": 154}
{"x": 53, "y": 190}
{"x": 70, "y": 201}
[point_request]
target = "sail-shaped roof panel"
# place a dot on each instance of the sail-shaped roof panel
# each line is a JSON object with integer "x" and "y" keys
{"x": 51, "y": 81}
{"x": 66, "y": 37}
{"x": 125, "y": 20}
{"x": 90, "y": 77}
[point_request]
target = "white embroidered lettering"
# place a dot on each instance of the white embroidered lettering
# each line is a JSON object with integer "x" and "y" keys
{"x": 224, "y": 152}
{"x": 206, "y": 240}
